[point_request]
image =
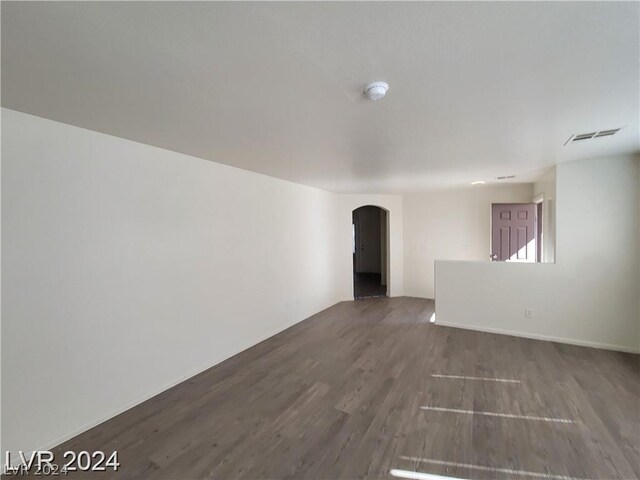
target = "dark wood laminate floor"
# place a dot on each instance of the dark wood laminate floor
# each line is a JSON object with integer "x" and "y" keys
{"x": 339, "y": 396}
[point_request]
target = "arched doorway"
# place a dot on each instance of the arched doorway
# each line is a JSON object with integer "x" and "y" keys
{"x": 370, "y": 252}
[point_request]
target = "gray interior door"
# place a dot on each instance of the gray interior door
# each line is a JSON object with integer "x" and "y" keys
{"x": 513, "y": 232}
{"x": 367, "y": 239}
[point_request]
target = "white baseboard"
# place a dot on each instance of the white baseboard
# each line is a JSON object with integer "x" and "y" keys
{"x": 422, "y": 297}
{"x": 352, "y": 299}
{"x": 123, "y": 408}
{"x": 63, "y": 438}
{"x": 417, "y": 295}
{"x": 535, "y": 336}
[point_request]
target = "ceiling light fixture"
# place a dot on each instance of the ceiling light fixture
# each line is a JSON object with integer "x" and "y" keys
{"x": 479, "y": 182}
{"x": 376, "y": 90}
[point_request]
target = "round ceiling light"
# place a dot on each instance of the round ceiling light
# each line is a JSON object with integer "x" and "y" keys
{"x": 376, "y": 90}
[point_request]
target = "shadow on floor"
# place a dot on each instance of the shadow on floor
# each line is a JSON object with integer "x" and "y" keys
{"x": 367, "y": 285}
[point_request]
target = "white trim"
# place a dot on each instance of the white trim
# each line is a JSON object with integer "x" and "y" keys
{"x": 539, "y": 199}
{"x": 501, "y": 415}
{"x": 129, "y": 405}
{"x": 548, "y": 338}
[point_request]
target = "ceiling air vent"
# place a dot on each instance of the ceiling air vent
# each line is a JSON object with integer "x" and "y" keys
{"x": 506, "y": 177}
{"x": 588, "y": 136}
{"x": 606, "y": 133}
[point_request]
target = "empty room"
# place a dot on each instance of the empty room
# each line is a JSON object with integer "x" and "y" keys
{"x": 320, "y": 240}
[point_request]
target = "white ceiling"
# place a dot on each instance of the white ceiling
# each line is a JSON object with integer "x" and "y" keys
{"x": 478, "y": 90}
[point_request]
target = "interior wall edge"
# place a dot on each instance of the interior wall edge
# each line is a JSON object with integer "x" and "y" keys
{"x": 140, "y": 236}
{"x": 15, "y": 460}
{"x": 589, "y": 295}
{"x": 548, "y": 338}
{"x": 414, "y": 294}
{"x": 450, "y": 224}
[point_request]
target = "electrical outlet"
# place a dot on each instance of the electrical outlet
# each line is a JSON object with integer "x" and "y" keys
{"x": 528, "y": 313}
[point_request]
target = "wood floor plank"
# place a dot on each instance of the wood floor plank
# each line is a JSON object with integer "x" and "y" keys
{"x": 339, "y": 395}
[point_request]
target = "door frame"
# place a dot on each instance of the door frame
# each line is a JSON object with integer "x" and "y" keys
{"x": 539, "y": 200}
{"x": 387, "y": 250}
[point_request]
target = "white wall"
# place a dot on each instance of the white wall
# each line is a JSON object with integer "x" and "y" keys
{"x": 127, "y": 268}
{"x": 450, "y": 225}
{"x": 545, "y": 187}
{"x": 344, "y": 206}
{"x": 590, "y": 296}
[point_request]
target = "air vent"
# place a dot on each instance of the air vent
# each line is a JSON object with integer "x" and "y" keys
{"x": 606, "y": 133}
{"x": 588, "y": 136}
{"x": 506, "y": 177}
{"x": 584, "y": 136}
